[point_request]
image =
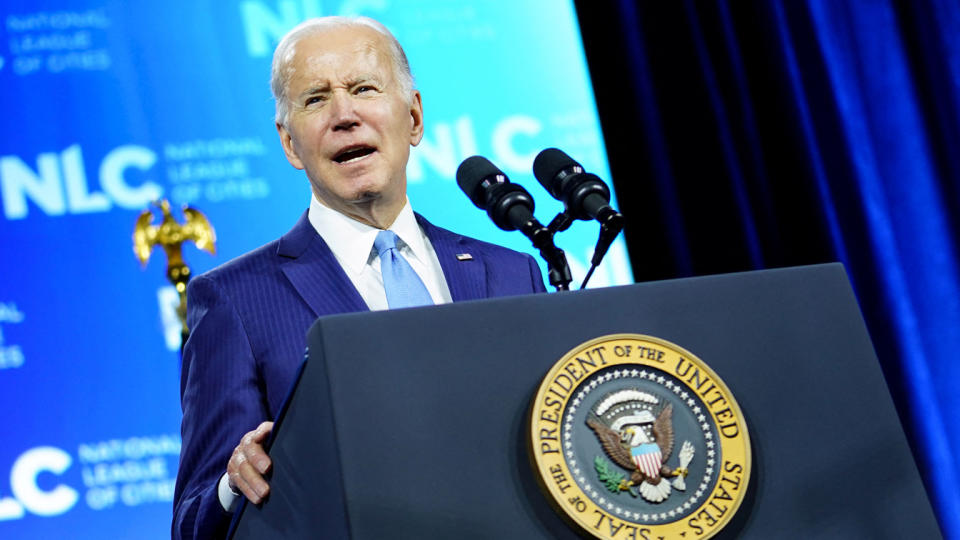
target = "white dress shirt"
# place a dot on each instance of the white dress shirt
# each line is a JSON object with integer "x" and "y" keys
{"x": 352, "y": 245}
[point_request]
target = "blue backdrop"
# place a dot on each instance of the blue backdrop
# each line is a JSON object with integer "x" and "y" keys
{"x": 108, "y": 105}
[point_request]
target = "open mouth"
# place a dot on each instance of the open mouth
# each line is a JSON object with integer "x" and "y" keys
{"x": 353, "y": 153}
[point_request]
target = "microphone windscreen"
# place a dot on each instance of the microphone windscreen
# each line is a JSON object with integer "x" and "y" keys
{"x": 550, "y": 162}
{"x": 471, "y": 173}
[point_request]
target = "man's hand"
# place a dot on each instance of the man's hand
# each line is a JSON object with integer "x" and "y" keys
{"x": 249, "y": 463}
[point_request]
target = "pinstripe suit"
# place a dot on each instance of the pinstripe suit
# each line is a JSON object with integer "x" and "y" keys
{"x": 249, "y": 319}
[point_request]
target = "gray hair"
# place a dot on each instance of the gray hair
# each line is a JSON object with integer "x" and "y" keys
{"x": 281, "y": 71}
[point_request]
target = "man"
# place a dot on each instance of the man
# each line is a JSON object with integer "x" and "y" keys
{"x": 347, "y": 114}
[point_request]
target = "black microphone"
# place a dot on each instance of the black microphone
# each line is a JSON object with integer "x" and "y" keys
{"x": 508, "y": 205}
{"x": 511, "y": 208}
{"x": 584, "y": 195}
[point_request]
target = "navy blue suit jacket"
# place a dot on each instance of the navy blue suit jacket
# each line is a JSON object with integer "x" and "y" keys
{"x": 248, "y": 321}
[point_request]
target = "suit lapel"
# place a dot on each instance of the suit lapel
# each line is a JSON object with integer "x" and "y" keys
{"x": 315, "y": 273}
{"x": 465, "y": 278}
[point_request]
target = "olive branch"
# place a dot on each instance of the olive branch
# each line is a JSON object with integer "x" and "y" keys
{"x": 611, "y": 478}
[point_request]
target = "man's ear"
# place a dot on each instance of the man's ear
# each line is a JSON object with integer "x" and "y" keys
{"x": 289, "y": 149}
{"x": 416, "y": 117}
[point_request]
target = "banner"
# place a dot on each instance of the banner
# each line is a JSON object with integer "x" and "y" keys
{"x": 108, "y": 106}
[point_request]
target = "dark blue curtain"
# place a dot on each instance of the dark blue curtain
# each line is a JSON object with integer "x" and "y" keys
{"x": 749, "y": 135}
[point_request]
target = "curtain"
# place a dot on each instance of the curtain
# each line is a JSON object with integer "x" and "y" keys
{"x": 750, "y": 135}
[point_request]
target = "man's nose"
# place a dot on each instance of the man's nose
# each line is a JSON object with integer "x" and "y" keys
{"x": 344, "y": 112}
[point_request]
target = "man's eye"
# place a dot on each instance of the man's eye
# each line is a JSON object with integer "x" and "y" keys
{"x": 311, "y": 100}
{"x": 365, "y": 88}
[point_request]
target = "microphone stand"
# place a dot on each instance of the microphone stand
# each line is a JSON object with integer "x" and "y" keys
{"x": 611, "y": 223}
{"x": 558, "y": 271}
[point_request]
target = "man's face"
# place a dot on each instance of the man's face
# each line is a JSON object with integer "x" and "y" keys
{"x": 349, "y": 126}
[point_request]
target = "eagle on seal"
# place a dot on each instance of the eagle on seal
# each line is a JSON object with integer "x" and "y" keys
{"x": 631, "y": 448}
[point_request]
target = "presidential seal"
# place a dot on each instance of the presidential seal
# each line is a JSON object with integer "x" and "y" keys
{"x": 634, "y": 437}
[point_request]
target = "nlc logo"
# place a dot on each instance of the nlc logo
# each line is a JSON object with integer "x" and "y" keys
{"x": 264, "y": 25}
{"x": 59, "y": 183}
{"x": 27, "y": 493}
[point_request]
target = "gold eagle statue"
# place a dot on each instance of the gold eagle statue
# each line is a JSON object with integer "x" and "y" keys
{"x": 171, "y": 235}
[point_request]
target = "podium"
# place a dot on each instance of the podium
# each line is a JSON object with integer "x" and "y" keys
{"x": 413, "y": 423}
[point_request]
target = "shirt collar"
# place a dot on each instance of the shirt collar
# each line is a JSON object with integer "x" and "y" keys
{"x": 352, "y": 241}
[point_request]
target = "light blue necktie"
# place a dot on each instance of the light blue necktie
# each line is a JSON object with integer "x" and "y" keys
{"x": 402, "y": 285}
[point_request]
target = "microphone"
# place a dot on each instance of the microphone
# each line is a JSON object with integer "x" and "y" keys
{"x": 511, "y": 208}
{"x": 584, "y": 196}
{"x": 508, "y": 205}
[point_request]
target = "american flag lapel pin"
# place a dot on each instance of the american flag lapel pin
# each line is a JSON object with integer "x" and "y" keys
{"x": 464, "y": 257}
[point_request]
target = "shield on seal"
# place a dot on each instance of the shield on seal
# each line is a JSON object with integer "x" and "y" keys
{"x": 648, "y": 459}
